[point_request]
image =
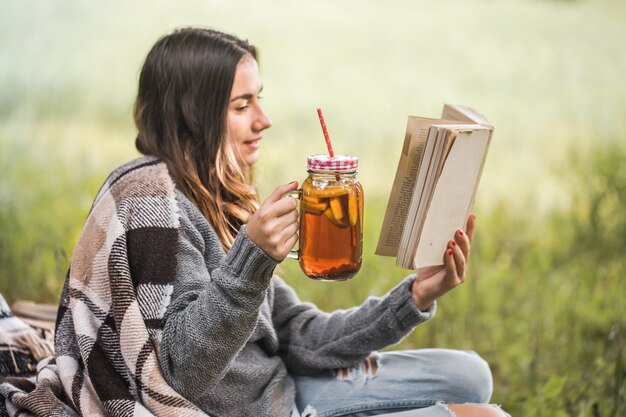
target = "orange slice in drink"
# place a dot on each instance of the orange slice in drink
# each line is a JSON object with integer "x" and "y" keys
{"x": 326, "y": 192}
{"x": 353, "y": 207}
{"x": 336, "y": 209}
{"x": 316, "y": 206}
{"x": 331, "y": 217}
{"x": 311, "y": 199}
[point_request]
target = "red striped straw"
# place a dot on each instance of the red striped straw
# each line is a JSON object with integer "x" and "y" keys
{"x": 325, "y": 130}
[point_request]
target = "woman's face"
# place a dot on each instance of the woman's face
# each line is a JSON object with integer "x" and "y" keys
{"x": 246, "y": 119}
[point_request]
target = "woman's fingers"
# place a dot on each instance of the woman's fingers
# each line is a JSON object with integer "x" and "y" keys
{"x": 280, "y": 215}
{"x": 450, "y": 264}
{"x": 460, "y": 261}
{"x": 288, "y": 245}
{"x": 290, "y": 230}
{"x": 283, "y": 233}
{"x": 471, "y": 220}
{"x": 462, "y": 240}
{"x": 461, "y": 245}
{"x": 274, "y": 225}
{"x": 283, "y": 206}
{"x": 432, "y": 282}
{"x": 455, "y": 252}
{"x": 280, "y": 191}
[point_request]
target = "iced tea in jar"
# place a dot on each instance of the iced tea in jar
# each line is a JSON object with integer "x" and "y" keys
{"x": 331, "y": 218}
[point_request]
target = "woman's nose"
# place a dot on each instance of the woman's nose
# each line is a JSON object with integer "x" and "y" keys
{"x": 261, "y": 121}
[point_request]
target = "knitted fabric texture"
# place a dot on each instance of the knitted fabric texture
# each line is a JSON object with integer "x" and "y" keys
{"x": 111, "y": 311}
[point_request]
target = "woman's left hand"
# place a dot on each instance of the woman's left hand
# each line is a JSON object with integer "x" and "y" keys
{"x": 274, "y": 226}
{"x": 434, "y": 281}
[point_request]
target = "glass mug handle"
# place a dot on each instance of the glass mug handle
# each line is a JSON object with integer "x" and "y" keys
{"x": 297, "y": 194}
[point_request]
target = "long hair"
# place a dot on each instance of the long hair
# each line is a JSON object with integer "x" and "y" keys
{"x": 180, "y": 113}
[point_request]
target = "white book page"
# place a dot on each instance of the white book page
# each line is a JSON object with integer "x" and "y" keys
{"x": 453, "y": 196}
{"x": 419, "y": 193}
{"x": 465, "y": 114}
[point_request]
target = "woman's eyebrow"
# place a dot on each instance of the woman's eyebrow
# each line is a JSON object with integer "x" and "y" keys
{"x": 246, "y": 96}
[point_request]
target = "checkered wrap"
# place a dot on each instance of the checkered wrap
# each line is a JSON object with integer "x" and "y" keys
{"x": 111, "y": 312}
{"x": 337, "y": 163}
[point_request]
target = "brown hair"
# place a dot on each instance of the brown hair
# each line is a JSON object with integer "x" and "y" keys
{"x": 180, "y": 112}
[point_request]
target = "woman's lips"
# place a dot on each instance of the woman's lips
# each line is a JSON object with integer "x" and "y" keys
{"x": 253, "y": 144}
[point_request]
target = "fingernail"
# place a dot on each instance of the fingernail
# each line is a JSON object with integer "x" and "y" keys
{"x": 453, "y": 243}
{"x": 449, "y": 252}
{"x": 460, "y": 232}
{"x": 292, "y": 182}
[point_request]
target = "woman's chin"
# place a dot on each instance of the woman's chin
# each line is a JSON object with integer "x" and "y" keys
{"x": 251, "y": 158}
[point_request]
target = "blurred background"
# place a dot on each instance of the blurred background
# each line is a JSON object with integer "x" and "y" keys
{"x": 545, "y": 299}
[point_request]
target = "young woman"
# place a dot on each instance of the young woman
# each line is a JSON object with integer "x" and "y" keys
{"x": 171, "y": 306}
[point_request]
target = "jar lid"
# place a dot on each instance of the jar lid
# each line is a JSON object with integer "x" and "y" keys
{"x": 337, "y": 163}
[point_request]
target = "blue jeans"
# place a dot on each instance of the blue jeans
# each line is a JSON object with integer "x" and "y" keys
{"x": 414, "y": 383}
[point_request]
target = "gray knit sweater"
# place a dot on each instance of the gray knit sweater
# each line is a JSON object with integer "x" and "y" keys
{"x": 234, "y": 332}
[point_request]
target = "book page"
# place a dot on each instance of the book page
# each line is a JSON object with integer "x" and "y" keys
{"x": 463, "y": 114}
{"x": 420, "y": 193}
{"x": 403, "y": 185}
{"x": 448, "y": 141}
{"x": 453, "y": 196}
{"x": 424, "y": 187}
{"x": 401, "y": 195}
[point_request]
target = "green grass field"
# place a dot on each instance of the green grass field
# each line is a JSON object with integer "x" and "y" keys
{"x": 544, "y": 302}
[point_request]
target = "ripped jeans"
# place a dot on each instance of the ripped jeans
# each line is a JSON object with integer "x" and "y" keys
{"x": 411, "y": 383}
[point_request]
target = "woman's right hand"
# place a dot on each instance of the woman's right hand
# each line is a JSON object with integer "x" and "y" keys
{"x": 432, "y": 282}
{"x": 274, "y": 226}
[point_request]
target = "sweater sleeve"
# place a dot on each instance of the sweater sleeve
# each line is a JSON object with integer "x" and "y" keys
{"x": 211, "y": 315}
{"x": 311, "y": 340}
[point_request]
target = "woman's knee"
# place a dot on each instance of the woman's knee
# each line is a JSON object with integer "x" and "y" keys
{"x": 468, "y": 376}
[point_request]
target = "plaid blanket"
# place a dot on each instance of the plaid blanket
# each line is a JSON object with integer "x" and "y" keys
{"x": 111, "y": 311}
{"x": 21, "y": 346}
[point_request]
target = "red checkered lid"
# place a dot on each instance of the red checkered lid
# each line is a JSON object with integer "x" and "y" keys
{"x": 337, "y": 163}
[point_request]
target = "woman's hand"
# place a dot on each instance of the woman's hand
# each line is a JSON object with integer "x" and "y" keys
{"x": 434, "y": 281}
{"x": 274, "y": 226}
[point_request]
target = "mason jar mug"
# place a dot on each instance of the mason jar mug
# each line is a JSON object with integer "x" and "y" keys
{"x": 331, "y": 219}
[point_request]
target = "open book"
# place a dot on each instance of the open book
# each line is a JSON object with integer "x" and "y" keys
{"x": 435, "y": 185}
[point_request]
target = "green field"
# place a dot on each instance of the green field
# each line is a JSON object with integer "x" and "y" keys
{"x": 544, "y": 302}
